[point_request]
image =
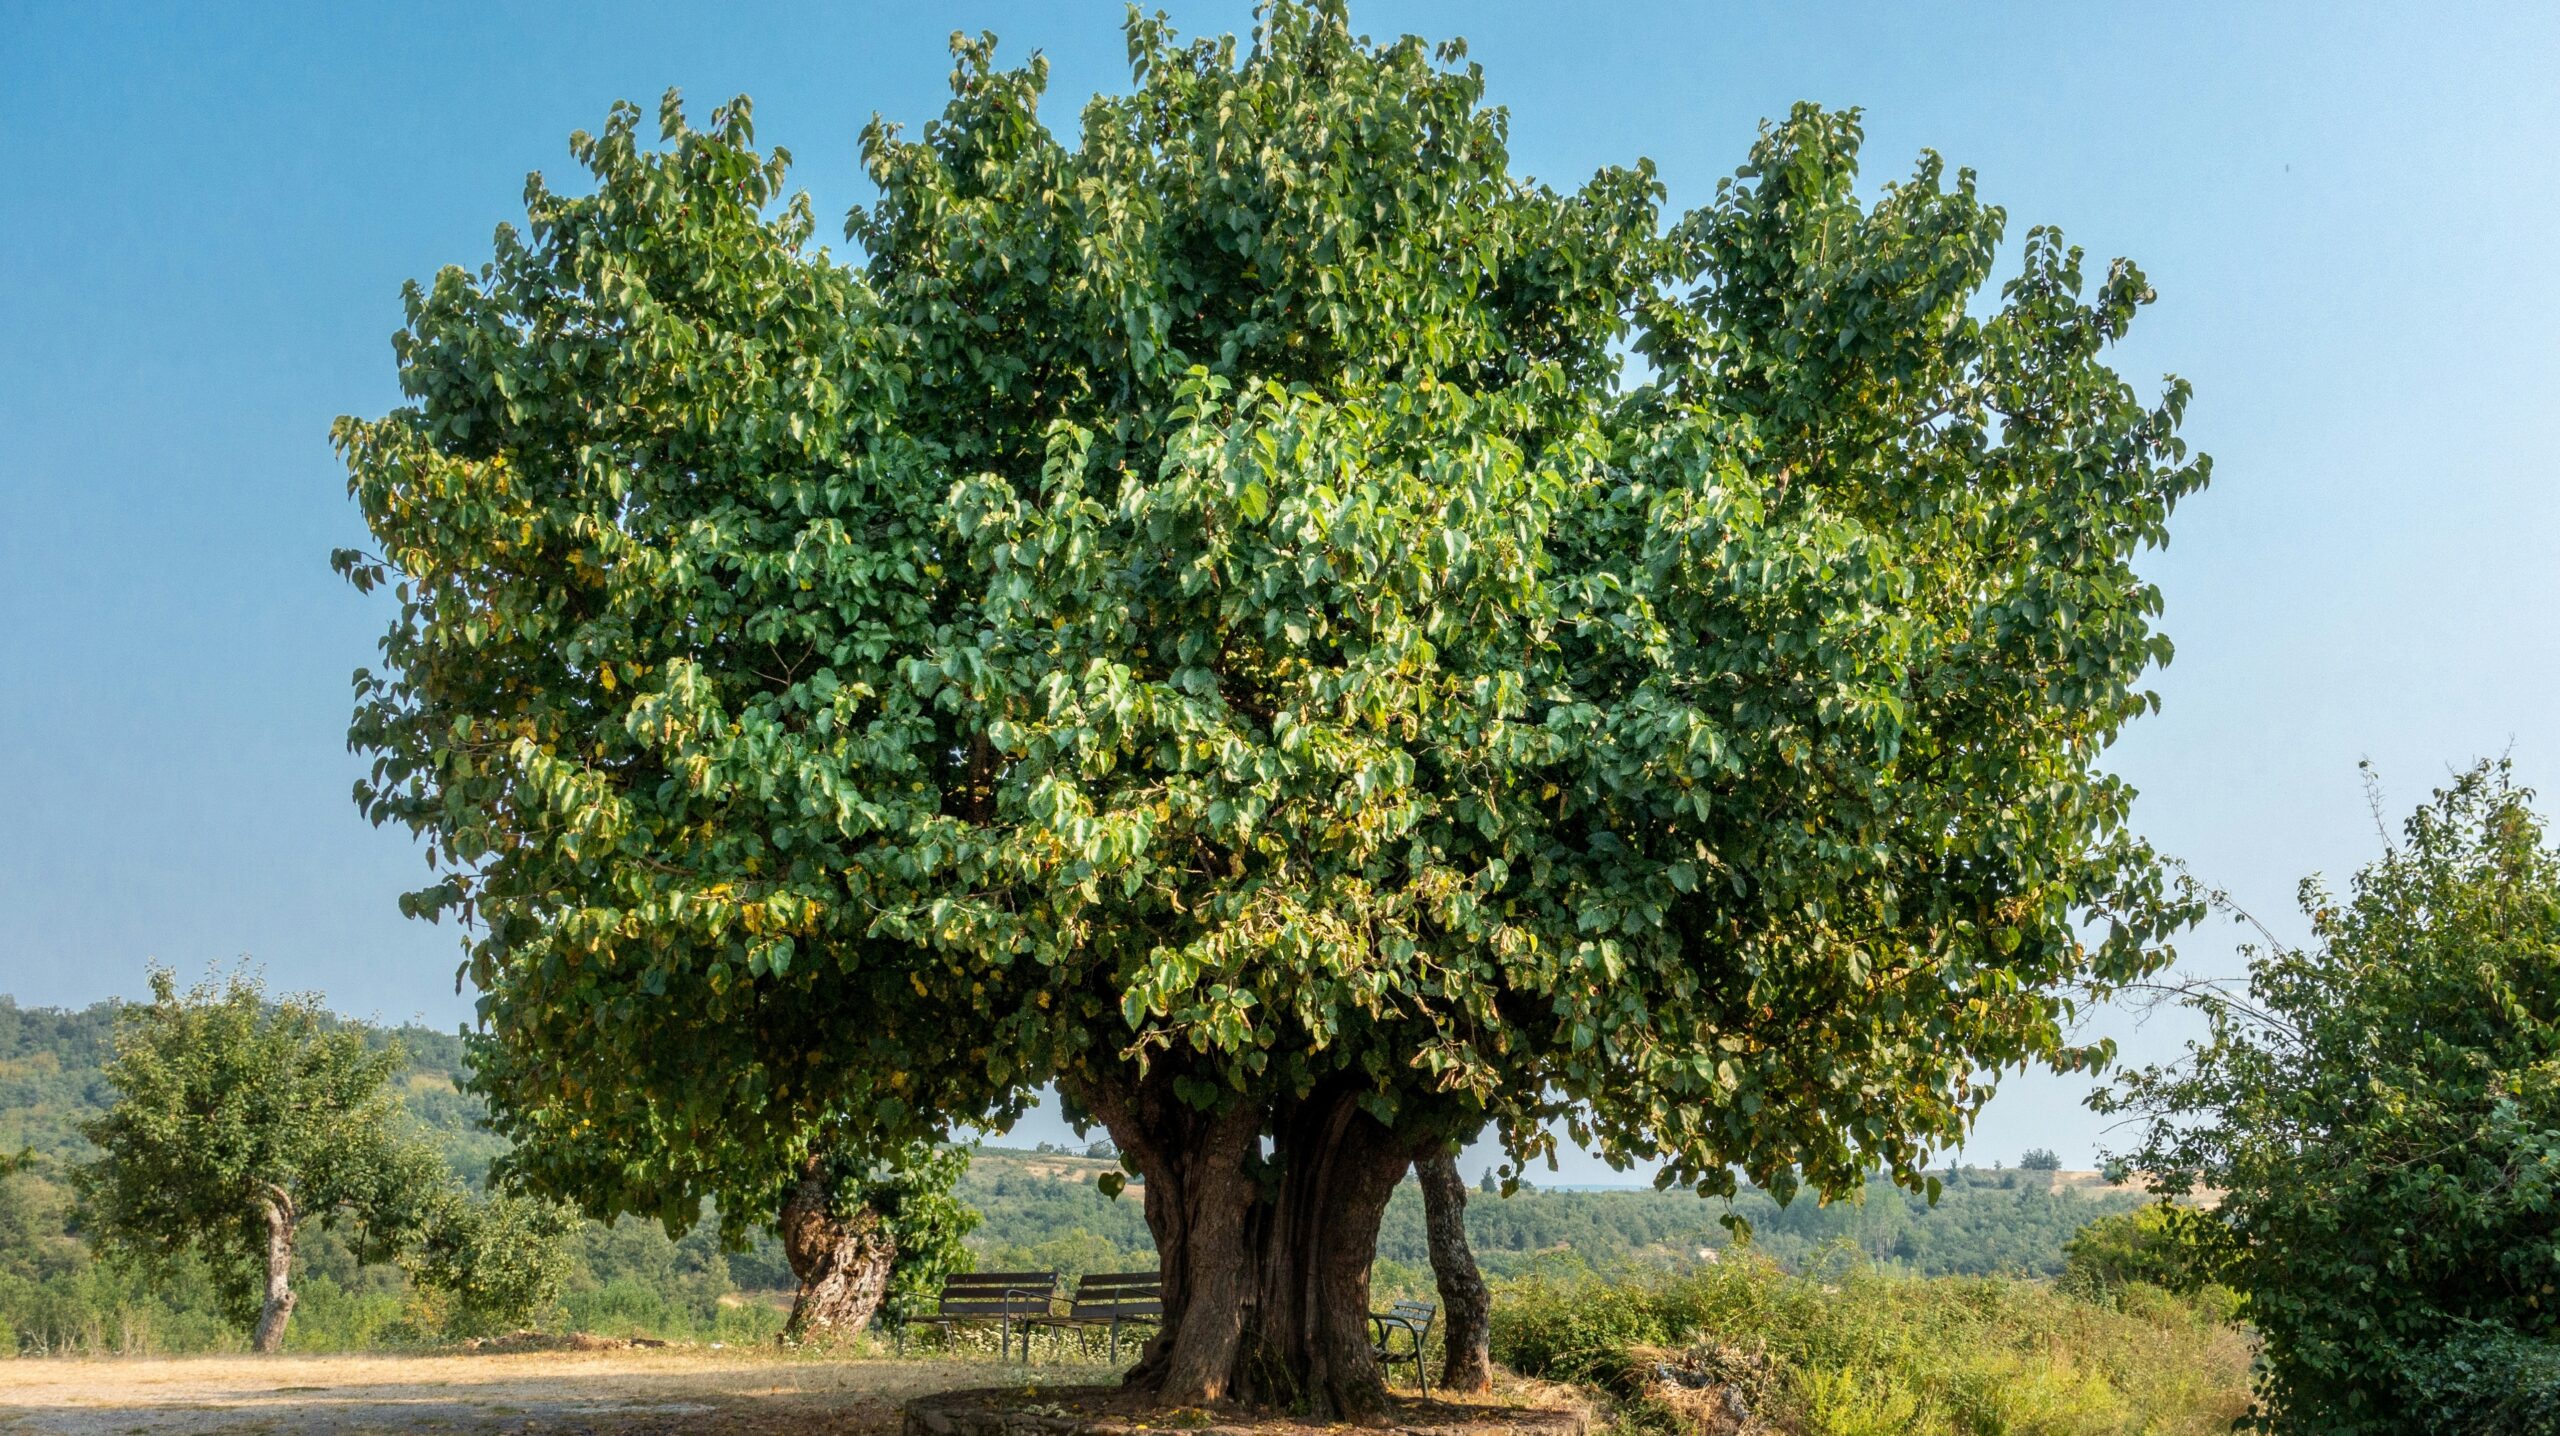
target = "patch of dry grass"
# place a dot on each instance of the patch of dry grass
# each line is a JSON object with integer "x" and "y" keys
{"x": 1861, "y": 1353}
{"x": 738, "y": 1392}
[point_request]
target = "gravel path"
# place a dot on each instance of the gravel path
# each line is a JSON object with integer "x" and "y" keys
{"x": 720, "y": 1393}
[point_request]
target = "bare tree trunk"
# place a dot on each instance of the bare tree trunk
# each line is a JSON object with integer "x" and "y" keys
{"x": 278, "y": 1209}
{"x": 842, "y": 1262}
{"x": 1466, "y": 1307}
{"x": 1265, "y": 1263}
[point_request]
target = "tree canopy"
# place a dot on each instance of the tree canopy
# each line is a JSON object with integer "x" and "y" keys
{"x": 1273, "y": 622}
{"x": 2381, "y": 1111}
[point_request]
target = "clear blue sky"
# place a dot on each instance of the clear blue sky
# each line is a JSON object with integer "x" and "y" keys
{"x": 205, "y": 220}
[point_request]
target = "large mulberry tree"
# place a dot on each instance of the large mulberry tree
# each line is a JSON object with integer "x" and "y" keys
{"x": 1306, "y": 640}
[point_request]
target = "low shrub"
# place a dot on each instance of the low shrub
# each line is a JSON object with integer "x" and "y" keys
{"x": 1856, "y": 1350}
{"x": 2152, "y": 1244}
{"x": 2491, "y": 1381}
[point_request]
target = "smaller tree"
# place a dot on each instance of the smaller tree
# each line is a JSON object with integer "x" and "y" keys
{"x": 2381, "y": 1110}
{"x": 864, "y": 1235}
{"x": 237, "y": 1122}
{"x": 2040, "y": 1159}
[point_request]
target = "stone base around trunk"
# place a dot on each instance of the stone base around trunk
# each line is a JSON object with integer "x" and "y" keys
{"x": 1512, "y": 1408}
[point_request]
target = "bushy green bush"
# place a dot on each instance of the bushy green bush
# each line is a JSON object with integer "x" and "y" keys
{"x": 2381, "y": 1112}
{"x": 370, "y": 1315}
{"x": 1856, "y": 1350}
{"x": 2490, "y": 1381}
{"x": 94, "y": 1310}
{"x": 494, "y": 1262}
{"x": 627, "y": 1306}
{"x": 2152, "y": 1244}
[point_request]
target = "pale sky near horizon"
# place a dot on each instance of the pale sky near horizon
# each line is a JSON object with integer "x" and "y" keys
{"x": 2349, "y": 213}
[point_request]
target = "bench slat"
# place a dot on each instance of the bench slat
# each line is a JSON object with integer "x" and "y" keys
{"x": 994, "y": 1296}
{"x": 1113, "y": 1298}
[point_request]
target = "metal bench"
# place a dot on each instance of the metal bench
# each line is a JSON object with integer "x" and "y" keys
{"x": 1109, "y": 1300}
{"x": 1410, "y": 1320}
{"x": 1006, "y": 1298}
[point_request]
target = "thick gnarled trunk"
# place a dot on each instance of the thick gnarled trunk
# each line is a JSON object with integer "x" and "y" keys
{"x": 1466, "y": 1307}
{"x": 278, "y": 1210}
{"x": 1265, "y": 1259}
{"x": 842, "y": 1262}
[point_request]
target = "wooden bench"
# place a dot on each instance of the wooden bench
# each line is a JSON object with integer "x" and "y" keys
{"x": 1109, "y": 1300}
{"x": 1006, "y": 1298}
{"x": 1410, "y": 1320}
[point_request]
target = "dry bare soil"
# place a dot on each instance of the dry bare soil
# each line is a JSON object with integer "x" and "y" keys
{"x": 555, "y": 1393}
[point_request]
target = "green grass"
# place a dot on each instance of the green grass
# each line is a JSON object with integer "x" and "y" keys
{"x": 1851, "y": 1351}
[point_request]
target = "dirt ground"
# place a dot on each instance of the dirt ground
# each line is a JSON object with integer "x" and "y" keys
{"x": 620, "y": 1393}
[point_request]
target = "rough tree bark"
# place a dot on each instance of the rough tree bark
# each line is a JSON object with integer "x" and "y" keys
{"x": 1264, "y": 1259}
{"x": 842, "y": 1262}
{"x": 277, "y": 1207}
{"x": 1466, "y": 1307}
